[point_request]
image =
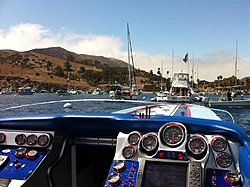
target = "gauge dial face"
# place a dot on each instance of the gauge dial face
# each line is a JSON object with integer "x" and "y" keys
{"x": 114, "y": 179}
{"x": 31, "y": 139}
{"x": 128, "y": 152}
{"x": 233, "y": 178}
{"x": 2, "y": 137}
{"x": 149, "y": 142}
{"x": 197, "y": 147}
{"x": 134, "y": 138}
{"x": 173, "y": 135}
{"x": 20, "y": 152}
{"x": 32, "y": 154}
{"x": 219, "y": 144}
{"x": 20, "y": 139}
{"x": 43, "y": 140}
{"x": 119, "y": 166}
{"x": 224, "y": 159}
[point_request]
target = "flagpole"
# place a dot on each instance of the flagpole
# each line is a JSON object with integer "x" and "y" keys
{"x": 193, "y": 72}
{"x": 172, "y": 72}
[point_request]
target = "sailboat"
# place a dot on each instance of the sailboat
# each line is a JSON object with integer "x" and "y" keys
{"x": 235, "y": 97}
{"x": 131, "y": 92}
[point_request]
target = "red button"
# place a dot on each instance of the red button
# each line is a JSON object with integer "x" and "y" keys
{"x": 180, "y": 156}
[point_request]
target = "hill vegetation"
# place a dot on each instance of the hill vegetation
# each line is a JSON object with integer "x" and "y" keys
{"x": 52, "y": 68}
{"x": 55, "y": 67}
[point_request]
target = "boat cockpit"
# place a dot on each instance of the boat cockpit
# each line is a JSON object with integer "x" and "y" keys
{"x": 122, "y": 149}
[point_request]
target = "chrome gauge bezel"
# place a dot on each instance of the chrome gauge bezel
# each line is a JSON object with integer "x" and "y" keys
{"x": 119, "y": 166}
{"x": 218, "y": 143}
{"x": 134, "y": 138}
{"x": 199, "y": 150}
{"x": 114, "y": 179}
{"x": 128, "y": 152}
{"x": 224, "y": 159}
{"x": 149, "y": 144}
{"x": 172, "y": 134}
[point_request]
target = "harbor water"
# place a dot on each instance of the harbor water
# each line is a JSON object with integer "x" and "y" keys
{"x": 45, "y": 103}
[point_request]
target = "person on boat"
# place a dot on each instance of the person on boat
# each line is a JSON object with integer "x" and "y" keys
{"x": 229, "y": 95}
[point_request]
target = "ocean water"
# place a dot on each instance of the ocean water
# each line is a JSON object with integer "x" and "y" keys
{"x": 52, "y": 103}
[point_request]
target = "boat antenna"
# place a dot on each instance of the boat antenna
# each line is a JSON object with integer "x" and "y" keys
{"x": 235, "y": 70}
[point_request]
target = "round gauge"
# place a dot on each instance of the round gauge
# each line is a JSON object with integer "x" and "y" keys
{"x": 219, "y": 144}
{"x": 197, "y": 147}
{"x": 114, "y": 179}
{"x": 172, "y": 134}
{"x": 232, "y": 178}
{"x": 134, "y": 138}
{"x": 224, "y": 159}
{"x": 20, "y": 152}
{"x": 2, "y": 137}
{"x": 128, "y": 152}
{"x": 20, "y": 139}
{"x": 43, "y": 140}
{"x": 119, "y": 166}
{"x": 31, "y": 139}
{"x": 32, "y": 154}
{"x": 149, "y": 144}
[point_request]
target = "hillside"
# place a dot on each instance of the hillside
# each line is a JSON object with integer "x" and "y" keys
{"x": 39, "y": 68}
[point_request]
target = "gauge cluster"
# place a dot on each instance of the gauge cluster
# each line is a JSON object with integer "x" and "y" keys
{"x": 173, "y": 141}
{"x": 34, "y": 139}
{"x": 189, "y": 157}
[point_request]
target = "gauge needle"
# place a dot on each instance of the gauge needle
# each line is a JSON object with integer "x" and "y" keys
{"x": 195, "y": 146}
{"x": 172, "y": 137}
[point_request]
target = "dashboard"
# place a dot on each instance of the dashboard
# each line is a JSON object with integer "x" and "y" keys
{"x": 122, "y": 150}
{"x": 172, "y": 156}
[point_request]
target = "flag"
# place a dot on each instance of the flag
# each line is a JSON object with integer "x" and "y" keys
{"x": 185, "y": 59}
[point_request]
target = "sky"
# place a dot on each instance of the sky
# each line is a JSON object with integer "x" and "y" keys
{"x": 214, "y": 33}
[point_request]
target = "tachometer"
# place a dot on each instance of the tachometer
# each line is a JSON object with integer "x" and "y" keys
{"x": 197, "y": 147}
{"x": 149, "y": 144}
{"x": 172, "y": 134}
{"x": 219, "y": 144}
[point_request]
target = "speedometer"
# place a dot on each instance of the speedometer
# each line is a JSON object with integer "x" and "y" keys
{"x": 172, "y": 134}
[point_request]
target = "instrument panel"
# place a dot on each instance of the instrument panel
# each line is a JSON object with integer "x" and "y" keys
{"x": 172, "y": 146}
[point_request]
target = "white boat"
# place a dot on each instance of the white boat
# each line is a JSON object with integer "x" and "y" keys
{"x": 97, "y": 91}
{"x": 63, "y": 92}
{"x": 130, "y": 93}
{"x": 25, "y": 91}
{"x": 7, "y": 91}
{"x": 234, "y": 100}
{"x": 160, "y": 96}
{"x": 115, "y": 91}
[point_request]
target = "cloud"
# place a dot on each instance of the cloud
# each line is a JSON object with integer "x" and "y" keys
{"x": 27, "y": 36}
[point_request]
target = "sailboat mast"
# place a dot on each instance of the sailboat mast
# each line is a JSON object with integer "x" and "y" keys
{"x": 130, "y": 54}
{"x": 129, "y": 64}
{"x": 235, "y": 70}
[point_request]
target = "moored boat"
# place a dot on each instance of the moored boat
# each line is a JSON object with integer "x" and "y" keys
{"x": 235, "y": 99}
